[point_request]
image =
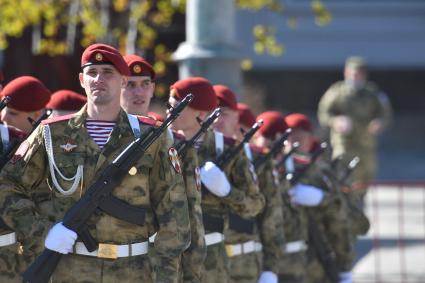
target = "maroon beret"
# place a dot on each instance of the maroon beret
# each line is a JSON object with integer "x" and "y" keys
{"x": 27, "y": 94}
{"x": 299, "y": 121}
{"x": 203, "y": 93}
{"x": 273, "y": 124}
{"x": 226, "y": 97}
{"x": 246, "y": 117}
{"x": 139, "y": 66}
{"x": 104, "y": 54}
{"x": 68, "y": 100}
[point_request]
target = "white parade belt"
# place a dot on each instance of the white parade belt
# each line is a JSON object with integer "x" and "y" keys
{"x": 7, "y": 239}
{"x": 112, "y": 251}
{"x": 244, "y": 248}
{"x": 213, "y": 238}
{"x": 296, "y": 246}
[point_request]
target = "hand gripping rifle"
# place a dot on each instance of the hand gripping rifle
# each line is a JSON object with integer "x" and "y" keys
{"x": 8, "y": 154}
{"x": 4, "y": 102}
{"x": 98, "y": 195}
{"x": 317, "y": 242}
{"x": 275, "y": 149}
{"x": 184, "y": 145}
{"x": 223, "y": 160}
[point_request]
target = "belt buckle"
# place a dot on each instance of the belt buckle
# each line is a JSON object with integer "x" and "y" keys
{"x": 109, "y": 251}
{"x": 229, "y": 250}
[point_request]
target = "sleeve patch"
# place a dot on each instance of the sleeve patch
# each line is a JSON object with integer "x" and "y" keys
{"x": 20, "y": 152}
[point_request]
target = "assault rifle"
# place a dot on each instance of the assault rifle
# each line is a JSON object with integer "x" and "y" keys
{"x": 184, "y": 145}
{"x": 8, "y": 154}
{"x": 317, "y": 243}
{"x": 274, "y": 150}
{"x": 99, "y": 195}
{"x": 223, "y": 160}
{"x": 4, "y": 102}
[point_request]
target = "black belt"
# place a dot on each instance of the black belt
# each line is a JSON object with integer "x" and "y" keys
{"x": 213, "y": 223}
{"x": 240, "y": 224}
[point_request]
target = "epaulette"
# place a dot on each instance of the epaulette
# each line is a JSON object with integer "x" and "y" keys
{"x": 259, "y": 149}
{"x": 178, "y": 136}
{"x": 17, "y": 134}
{"x": 57, "y": 119}
{"x": 149, "y": 121}
{"x": 229, "y": 141}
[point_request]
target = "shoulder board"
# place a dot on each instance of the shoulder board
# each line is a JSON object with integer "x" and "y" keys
{"x": 179, "y": 136}
{"x": 229, "y": 141}
{"x": 259, "y": 149}
{"x": 149, "y": 121}
{"x": 17, "y": 134}
{"x": 58, "y": 119}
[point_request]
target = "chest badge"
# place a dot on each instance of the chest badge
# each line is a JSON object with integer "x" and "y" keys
{"x": 68, "y": 147}
{"x": 174, "y": 159}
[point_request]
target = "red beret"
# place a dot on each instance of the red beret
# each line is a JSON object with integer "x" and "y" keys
{"x": 1, "y": 76}
{"x": 246, "y": 117}
{"x": 156, "y": 116}
{"x": 27, "y": 94}
{"x": 203, "y": 93}
{"x": 226, "y": 97}
{"x": 299, "y": 121}
{"x": 66, "y": 100}
{"x": 139, "y": 66}
{"x": 273, "y": 123}
{"x": 104, "y": 54}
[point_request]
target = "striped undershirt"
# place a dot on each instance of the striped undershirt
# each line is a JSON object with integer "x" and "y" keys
{"x": 99, "y": 130}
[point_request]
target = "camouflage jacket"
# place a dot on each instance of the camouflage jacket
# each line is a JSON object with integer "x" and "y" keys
{"x": 244, "y": 199}
{"x": 362, "y": 106}
{"x": 30, "y": 204}
{"x": 194, "y": 256}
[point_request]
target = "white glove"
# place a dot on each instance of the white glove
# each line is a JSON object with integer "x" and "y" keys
{"x": 214, "y": 179}
{"x": 306, "y": 195}
{"x": 60, "y": 239}
{"x": 267, "y": 277}
{"x": 345, "y": 277}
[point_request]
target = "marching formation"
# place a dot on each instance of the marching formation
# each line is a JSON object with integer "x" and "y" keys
{"x": 97, "y": 188}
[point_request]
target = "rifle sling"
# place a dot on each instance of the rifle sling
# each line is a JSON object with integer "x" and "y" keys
{"x": 122, "y": 210}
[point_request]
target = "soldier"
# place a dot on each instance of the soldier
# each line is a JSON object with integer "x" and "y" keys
{"x": 241, "y": 234}
{"x": 270, "y": 221}
{"x": 320, "y": 197}
{"x": 229, "y": 191}
{"x": 355, "y": 110}
{"x": 135, "y": 99}
{"x": 29, "y": 97}
{"x": 64, "y": 101}
{"x": 45, "y": 178}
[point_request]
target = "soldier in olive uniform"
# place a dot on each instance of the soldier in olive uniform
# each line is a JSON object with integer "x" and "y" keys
{"x": 320, "y": 196}
{"x": 55, "y": 166}
{"x": 241, "y": 235}
{"x": 227, "y": 192}
{"x": 355, "y": 110}
{"x": 270, "y": 221}
{"x": 65, "y": 101}
{"x": 135, "y": 99}
{"x": 29, "y": 97}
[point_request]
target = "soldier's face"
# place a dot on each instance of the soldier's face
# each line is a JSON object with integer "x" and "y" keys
{"x": 354, "y": 76}
{"x": 187, "y": 118}
{"x": 227, "y": 123}
{"x": 102, "y": 84}
{"x": 261, "y": 141}
{"x": 137, "y": 94}
{"x": 304, "y": 138}
{"x": 18, "y": 119}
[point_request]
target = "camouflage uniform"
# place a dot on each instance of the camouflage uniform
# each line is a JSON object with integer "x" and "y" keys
{"x": 244, "y": 200}
{"x": 362, "y": 106}
{"x": 331, "y": 218}
{"x": 10, "y": 255}
{"x": 30, "y": 207}
{"x": 194, "y": 256}
{"x": 270, "y": 221}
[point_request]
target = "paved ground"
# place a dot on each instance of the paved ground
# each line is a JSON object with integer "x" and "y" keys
{"x": 394, "y": 249}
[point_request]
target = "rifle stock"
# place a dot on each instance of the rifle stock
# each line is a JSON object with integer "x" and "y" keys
{"x": 75, "y": 218}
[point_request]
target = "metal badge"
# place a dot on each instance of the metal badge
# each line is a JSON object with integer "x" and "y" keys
{"x": 132, "y": 171}
{"x": 68, "y": 147}
{"x": 107, "y": 251}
